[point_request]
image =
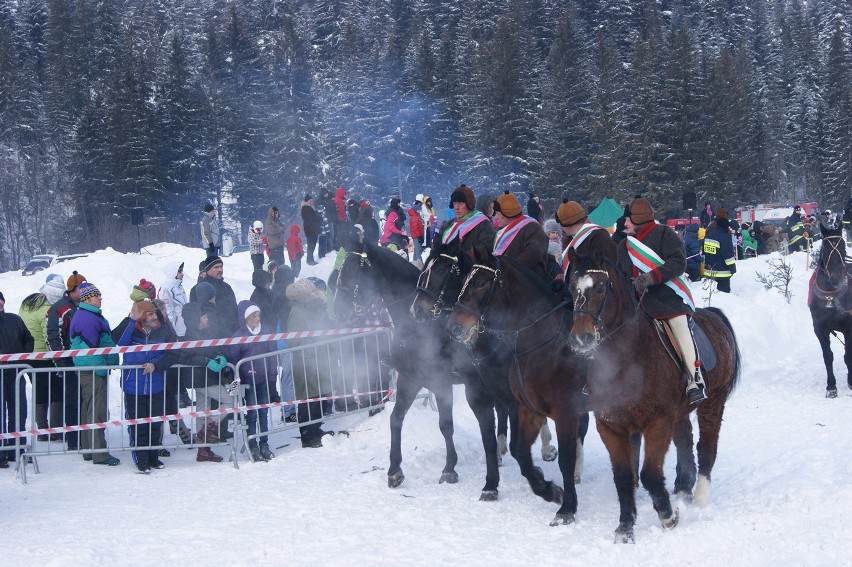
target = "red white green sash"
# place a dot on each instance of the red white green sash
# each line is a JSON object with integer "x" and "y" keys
{"x": 507, "y": 234}
{"x": 646, "y": 260}
{"x": 575, "y": 243}
{"x": 462, "y": 226}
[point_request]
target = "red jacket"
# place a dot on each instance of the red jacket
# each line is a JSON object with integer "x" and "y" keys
{"x": 294, "y": 244}
{"x": 415, "y": 223}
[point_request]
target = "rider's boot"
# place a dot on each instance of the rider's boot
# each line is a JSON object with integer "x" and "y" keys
{"x": 695, "y": 387}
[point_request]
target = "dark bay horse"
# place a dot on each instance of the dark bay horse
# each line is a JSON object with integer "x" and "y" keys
{"x": 503, "y": 300}
{"x": 437, "y": 291}
{"x": 635, "y": 386}
{"x": 830, "y": 302}
{"x": 422, "y": 354}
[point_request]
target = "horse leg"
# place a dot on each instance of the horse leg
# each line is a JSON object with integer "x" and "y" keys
{"x": 683, "y": 442}
{"x": 405, "y": 395}
{"x": 709, "y": 423}
{"x": 824, "y": 339}
{"x": 482, "y": 405}
{"x": 624, "y": 474}
{"x": 525, "y": 427}
{"x": 502, "y": 430}
{"x": 658, "y": 436}
{"x": 444, "y": 401}
{"x": 566, "y": 435}
{"x": 847, "y": 355}
{"x": 548, "y": 451}
{"x": 635, "y": 450}
{"x": 582, "y": 430}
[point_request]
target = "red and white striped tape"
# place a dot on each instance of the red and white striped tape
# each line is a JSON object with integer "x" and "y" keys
{"x": 183, "y": 344}
{"x": 176, "y": 416}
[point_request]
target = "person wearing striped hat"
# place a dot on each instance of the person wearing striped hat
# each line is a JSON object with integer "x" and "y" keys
{"x": 90, "y": 329}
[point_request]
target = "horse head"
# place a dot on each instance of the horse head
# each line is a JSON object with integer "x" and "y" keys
{"x": 468, "y": 318}
{"x": 592, "y": 287}
{"x": 832, "y": 278}
{"x": 355, "y": 287}
{"x": 440, "y": 283}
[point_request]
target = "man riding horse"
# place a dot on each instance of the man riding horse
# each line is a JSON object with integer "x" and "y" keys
{"x": 473, "y": 229}
{"x": 653, "y": 257}
{"x": 519, "y": 236}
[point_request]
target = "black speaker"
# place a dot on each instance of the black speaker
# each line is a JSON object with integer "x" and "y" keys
{"x": 136, "y": 216}
{"x": 689, "y": 202}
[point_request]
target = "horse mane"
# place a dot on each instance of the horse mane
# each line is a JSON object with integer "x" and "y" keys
{"x": 542, "y": 285}
{"x": 391, "y": 263}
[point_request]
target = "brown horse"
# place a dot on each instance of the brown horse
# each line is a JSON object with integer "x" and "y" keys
{"x": 636, "y": 386}
{"x": 503, "y": 299}
{"x": 830, "y": 301}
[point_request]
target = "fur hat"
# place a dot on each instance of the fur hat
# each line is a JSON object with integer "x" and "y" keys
{"x": 570, "y": 213}
{"x": 463, "y": 194}
{"x": 74, "y": 280}
{"x": 88, "y": 290}
{"x": 53, "y": 288}
{"x": 205, "y": 292}
{"x": 641, "y": 211}
{"x": 508, "y": 205}
{"x": 209, "y": 262}
{"x": 551, "y": 225}
{"x": 305, "y": 290}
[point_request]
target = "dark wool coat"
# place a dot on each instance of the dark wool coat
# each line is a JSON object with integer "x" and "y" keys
{"x": 14, "y": 338}
{"x": 311, "y": 220}
{"x": 479, "y": 240}
{"x": 660, "y": 301}
{"x": 225, "y": 311}
{"x": 529, "y": 247}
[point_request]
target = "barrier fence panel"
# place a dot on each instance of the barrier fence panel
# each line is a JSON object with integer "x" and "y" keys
{"x": 320, "y": 380}
{"x": 94, "y": 411}
{"x": 115, "y": 409}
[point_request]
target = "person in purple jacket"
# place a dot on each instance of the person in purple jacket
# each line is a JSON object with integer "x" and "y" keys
{"x": 259, "y": 375}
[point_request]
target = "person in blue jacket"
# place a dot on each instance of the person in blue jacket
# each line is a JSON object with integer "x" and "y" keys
{"x": 144, "y": 388}
{"x": 259, "y": 374}
{"x": 692, "y": 248}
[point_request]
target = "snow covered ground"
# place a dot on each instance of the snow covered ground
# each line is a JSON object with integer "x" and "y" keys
{"x": 781, "y": 486}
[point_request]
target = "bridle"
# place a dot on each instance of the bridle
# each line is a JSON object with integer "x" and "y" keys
{"x": 363, "y": 261}
{"x": 597, "y": 317}
{"x": 440, "y": 306}
{"x": 496, "y": 281}
{"x": 836, "y": 246}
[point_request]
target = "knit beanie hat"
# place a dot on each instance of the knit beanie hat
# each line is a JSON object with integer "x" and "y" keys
{"x": 570, "y": 213}
{"x": 463, "y": 194}
{"x": 641, "y": 211}
{"x": 143, "y": 290}
{"x": 270, "y": 265}
{"x": 74, "y": 280}
{"x": 53, "y": 288}
{"x": 259, "y": 278}
{"x": 209, "y": 262}
{"x": 88, "y": 290}
{"x": 205, "y": 292}
{"x": 551, "y": 225}
{"x": 508, "y": 205}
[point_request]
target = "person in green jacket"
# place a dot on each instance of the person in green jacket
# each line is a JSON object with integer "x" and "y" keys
{"x": 89, "y": 329}
{"x": 48, "y": 387}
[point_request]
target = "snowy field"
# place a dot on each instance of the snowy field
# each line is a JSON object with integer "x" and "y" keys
{"x": 781, "y": 492}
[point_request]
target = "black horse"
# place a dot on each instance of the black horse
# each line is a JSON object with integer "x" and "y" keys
{"x": 370, "y": 271}
{"x": 830, "y": 302}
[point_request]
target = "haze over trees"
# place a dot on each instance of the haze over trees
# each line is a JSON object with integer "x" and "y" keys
{"x": 164, "y": 104}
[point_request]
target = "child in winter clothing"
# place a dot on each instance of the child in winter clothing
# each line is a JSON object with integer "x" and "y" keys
{"x": 295, "y": 250}
{"x": 259, "y": 375}
{"x": 255, "y": 242}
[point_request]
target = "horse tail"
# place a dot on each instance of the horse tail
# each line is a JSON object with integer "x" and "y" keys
{"x": 735, "y": 378}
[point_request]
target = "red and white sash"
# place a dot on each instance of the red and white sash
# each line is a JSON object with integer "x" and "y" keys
{"x": 507, "y": 234}
{"x": 575, "y": 243}
{"x": 645, "y": 260}
{"x": 462, "y": 226}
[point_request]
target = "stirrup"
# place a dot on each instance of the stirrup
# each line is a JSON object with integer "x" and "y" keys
{"x": 695, "y": 387}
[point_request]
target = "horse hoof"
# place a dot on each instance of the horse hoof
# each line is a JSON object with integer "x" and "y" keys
{"x": 831, "y": 393}
{"x": 488, "y": 496}
{"x": 395, "y": 479}
{"x": 451, "y": 477}
{"x": 549, "y": 455}
{"x": 671, "y": 521}
{"x": 624, "y": 535}
{"x": 685, "y": 496}
{"x": 562, "y": 520}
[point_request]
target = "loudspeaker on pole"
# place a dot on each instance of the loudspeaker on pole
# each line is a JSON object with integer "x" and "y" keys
{"x": 689, "y": 201}
{"x": 137, "y": 216}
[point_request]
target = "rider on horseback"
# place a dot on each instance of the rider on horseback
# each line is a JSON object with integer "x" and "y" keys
{"x": 473, "y": 229}
{"x": 653, "y": 256}
{"x": 519, "y": 236}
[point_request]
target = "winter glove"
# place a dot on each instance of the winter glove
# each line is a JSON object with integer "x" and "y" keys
{"x": 217, "y": 364}
{"x": 642, "y": 282}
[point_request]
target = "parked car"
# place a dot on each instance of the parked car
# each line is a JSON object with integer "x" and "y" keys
{"x": 41, "y": 262}
{"x": 38, "y": 263}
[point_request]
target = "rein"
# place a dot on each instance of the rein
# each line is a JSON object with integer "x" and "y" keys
{"x": 831, "y": 297}
{"x": 439, "y": 306}
{"x": 357, "y": 307}
{"x": 596, "y": 317}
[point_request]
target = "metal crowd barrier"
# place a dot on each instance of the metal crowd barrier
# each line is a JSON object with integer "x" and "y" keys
{"x": 327, "y": 379}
